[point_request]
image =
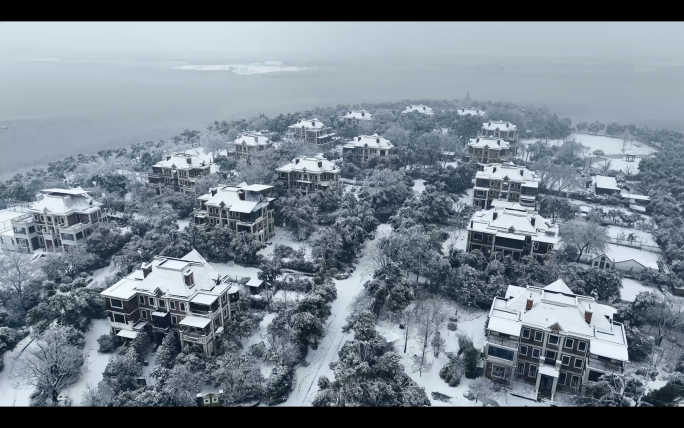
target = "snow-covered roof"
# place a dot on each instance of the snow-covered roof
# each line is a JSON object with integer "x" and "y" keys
{"x": 505, "y": 326}
{"x": 251, "y": 139}
{"x": 204, "y": 299}
{"x": 128, "y": 334}
{"x": 124, "y": 289}
{"x": 309, "y": 124}
{"x": 254, "y": 282}
{"x": 310, "y": 164}
{"x": 229, "y": 196}
{"x": 470, "y": 111}
{"x": 501, "y": 125}
{"x": 514, "y": 173}
{"x": 513, "y": 223}
{"x": 198, "y": 322}
{"x": 555, "y": 306}
{"x": 548, "y": 370}
{"x": 635, "y": 197}
{"x": 374, "y": 141}
{"x": 489, "y": 143}
{"x": 358, "y": 115}
{"x": 180, "y": 160}
{"x": 604, "y": 182}
{"x": 64, "y": 201}
{"x": 418, "y": 108}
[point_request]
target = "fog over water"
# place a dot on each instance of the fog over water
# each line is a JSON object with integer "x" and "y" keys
{"x": 64, "y": 90}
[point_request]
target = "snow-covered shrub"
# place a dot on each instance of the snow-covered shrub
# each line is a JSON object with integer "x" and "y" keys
{"x": 278, "y": 385}
{"x": 452, "y": 326}
{"x": 108, "y": 343}
{"x": 258, "y": 350}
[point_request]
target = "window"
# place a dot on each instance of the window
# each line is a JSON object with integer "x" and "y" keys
{"x": 214, "y": 399}
{"x": 561, "y": 378}
{"x": 172, "y": 305}
{"x": 119, "y": 318}
{"x": 79, "y": 235}
{"x": 565, "y": 360}
{"x": 536, "y": 245}
{"x": 526, "y": 333}
{"x": 480, "y": 193}
{"x": 162, "y": 303}
{"x": 536, "y": 352}
{"x": 569, "y": 343}
{"x": 553, "y": 340}
{"x": 141, "y": 299}
{"x": 533, "y": 371}
{"x": 206, "y": 401}
{"x": 551, "y": 354}
{"x": 574, "y": 383}
{"x": 182, "y": 306}
{"x": 578, "y": 363}
{"x": 523, "y": 350}
{"x": 174, "y": 320}
{"x": 582, "y": 346}
{"x": 497, "y": 352}
{"x": 549, "y": 247}
{"x": 32, "y": 229}
{"x": 144, "y": 314}
{"x": 521, "y": 368}
{"x": 224, "y": 299}
{"x": 477, "y": 237}
{"x": 151, "y": 301}
{"x": 67, "y": 237}
{"x": 538, "y": 336}
{"x": 498, "y": 371}
{"x": 116, "y": 303}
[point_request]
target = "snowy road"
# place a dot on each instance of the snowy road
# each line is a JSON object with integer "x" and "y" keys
{"x": 319, "y": 360}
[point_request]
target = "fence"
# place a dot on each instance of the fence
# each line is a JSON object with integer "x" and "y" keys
{"x": 637, "y": 245}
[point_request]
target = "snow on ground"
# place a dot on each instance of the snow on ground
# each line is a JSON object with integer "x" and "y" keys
{"x": 631, "y": 287}
{"x": 284, "y": 237}
{"x": 621, "y": 164}
{"x": 319, "y": 360}
{"x": 419, "y": 185}
{"x": 470, "y": 324}
{"x": 100, "y": 274}
{"x": 620, "y": 253}
{"x": 257, "y": 336}
{"x": 640, "y": 236}
{"x": 467, "y": 198}
{"x": 14, "y": 392}
{"x": 95, "y": 363}
{"x": 183, "y": 223}
{"x": 609, "y": 145}
{"x": 152, "y": 360}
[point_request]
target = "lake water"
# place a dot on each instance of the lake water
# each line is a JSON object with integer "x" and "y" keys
{"x": 56, "y": 106}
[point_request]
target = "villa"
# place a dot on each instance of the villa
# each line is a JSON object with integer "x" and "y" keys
{"x": 419, "y": 109}
{"x": 179, "y": 172}
{"x": 354, "y": 117}
{"x": 364, "y": 147}
{"x": 250, "y": 144}
{"x": 505, "y": 182}
{"x": 312, "y": 132}
{"x": 310, "y": 174}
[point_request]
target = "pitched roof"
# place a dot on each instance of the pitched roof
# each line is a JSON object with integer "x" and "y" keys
{"x": 309, "y": 124}
{"x": 489, "y": 143}
{"x": 359, "y": 115}
{"x": 555, "y": 305}
{"x": 513, "y": 224}
{"x": 229, "y": 196}
{"x": 372, "y": 141}
{"x": 501, "y": 171}
{"x": 180, "y": 160}
{"x": 470, "y": 110}
{"x": 310, "y": 164}
{"x": 63, "y": 201}
{"x": 418, "y": 108}
{"x": 251, "y": 139}
{"x": 604, "y": 182}
{"x": 501, "y": 125}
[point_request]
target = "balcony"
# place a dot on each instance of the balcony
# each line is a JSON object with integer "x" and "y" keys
{"x": 196, "y": 337}
{"x": 511, "y": 344}
{"x": 605, "y": 366}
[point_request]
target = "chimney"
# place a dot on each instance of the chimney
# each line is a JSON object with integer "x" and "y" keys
{"x": 359, "y": 139}
{"x": 320, "y": 164}
{"x": 478, "y": 140}
{"x": 377, "y": 140}
{"x": 189, "y": 278}
{"x": 363, "y": 113}
{"x": 213, "y": 191}
{"x": 528, "y": 306}
{"x": 495, "y": 215}
{"x": 490, "y": 124}
{"x": 296, "y": 161}
{"x": 494, "y": 170}
{"x": 188, "y": 160}
{"x": 256, "y": 140}
{"x": 507, "y": 125}
{"x": 241, "y": 194}
{"x": 533, "y": 220}
{"x": 471, "y": 224}
{"x": 39, "y": 196}
{"x": 587, "y": 314}
{"x": 313, "y": 123}
{"x": 67, "y": 201}
{"x": 423, "y": 107}
{"x": 168, "y": 157}
{"x": 146, "y": 268}
{"x": 498, "y": 142}
{"x": 521, "y": 172}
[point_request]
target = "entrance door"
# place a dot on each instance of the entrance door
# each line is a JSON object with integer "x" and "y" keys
{"x": 546, "y": 383}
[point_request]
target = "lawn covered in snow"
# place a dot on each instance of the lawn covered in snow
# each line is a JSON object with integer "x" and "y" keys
{"x": 641, "y": 237}
{"x": 621, "y": 253}
{"x": 609, "y": 145}
{"x": 632, "y": 287}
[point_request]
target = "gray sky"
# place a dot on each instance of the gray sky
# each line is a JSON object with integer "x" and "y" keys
{"x": 626, "y": 40}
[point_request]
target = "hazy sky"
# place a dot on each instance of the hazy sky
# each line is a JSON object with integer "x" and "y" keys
{"x": 622, "y": 39}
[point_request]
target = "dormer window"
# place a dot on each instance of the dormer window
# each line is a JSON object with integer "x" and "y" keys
{"x": 189, "y": 278}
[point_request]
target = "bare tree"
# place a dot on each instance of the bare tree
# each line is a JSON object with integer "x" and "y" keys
{"x": 17, "y": 271}
{"x": 482, "y": 388}
{"x": 667, "y": 315}
{"x": 589, "y": 237}
{"x": 606, "y": 166}
{"x": 51, "y": 362}
{"x": 214, "y": 143}
{"x": 431, "y": 314}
